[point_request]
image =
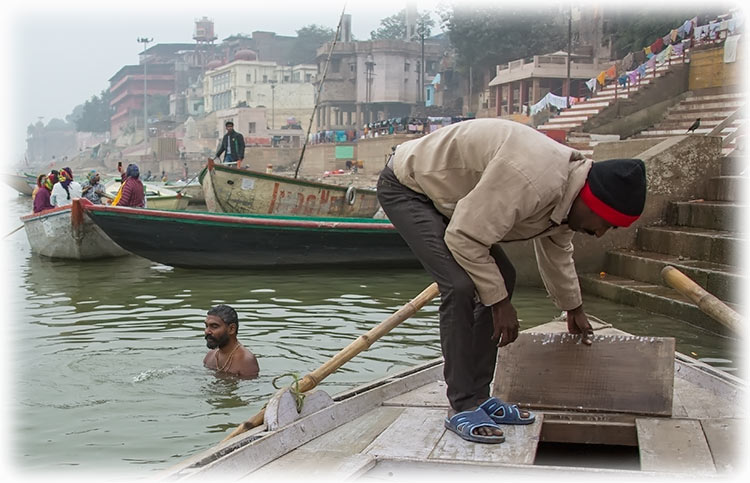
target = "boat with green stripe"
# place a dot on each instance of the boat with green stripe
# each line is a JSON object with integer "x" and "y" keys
{"x": 221, "y": 240}
{"x": 232, "y": 190}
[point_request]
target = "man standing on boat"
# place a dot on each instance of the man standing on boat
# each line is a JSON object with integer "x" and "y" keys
{"x": 228, "y": 355}
{"x": 232, "y": 145}
{"x": 459, "y": 191}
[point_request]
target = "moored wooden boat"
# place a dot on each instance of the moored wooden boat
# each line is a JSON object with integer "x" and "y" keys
{"x": 213, "y": 240}
{"x": 232, "y": 190}
{"x": 392, "y": 429}
{"x": 65, "y": 232}
{"x": 193, "y": 190}
{"x": 158, "y": 197}
{"x": 24, "y": 184}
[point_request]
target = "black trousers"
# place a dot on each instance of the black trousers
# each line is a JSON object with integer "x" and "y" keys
{"x": 465, "y": 323}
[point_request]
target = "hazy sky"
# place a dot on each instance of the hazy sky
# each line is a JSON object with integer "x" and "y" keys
{"x": 58, "y": 55}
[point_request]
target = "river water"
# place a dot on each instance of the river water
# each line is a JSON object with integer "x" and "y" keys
{"x": 105, "y": 370}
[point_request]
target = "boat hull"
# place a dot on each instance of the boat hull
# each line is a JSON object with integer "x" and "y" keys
{"x": 231, "y": 190}
{"x": 393, "y": 429}
{"x": 53, "y": 233}
{"x": 208, "y": 240}
{"x": 22, "y": 184}
{"x": 178, "y": 203}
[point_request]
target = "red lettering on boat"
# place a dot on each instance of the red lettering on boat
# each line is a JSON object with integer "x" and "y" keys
{"x": 273, "y": 197}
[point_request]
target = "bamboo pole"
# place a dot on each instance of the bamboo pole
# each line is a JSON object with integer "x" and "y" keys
{"x": 12, "y": 232}
{"x": 362, "y": 343}
{"x": 705, "y": 301}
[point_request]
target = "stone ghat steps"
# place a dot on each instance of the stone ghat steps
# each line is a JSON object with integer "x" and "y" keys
{"x": 703, "y": 238}
{"x": 573, "y": 117}
{"x": 653, "y": 298}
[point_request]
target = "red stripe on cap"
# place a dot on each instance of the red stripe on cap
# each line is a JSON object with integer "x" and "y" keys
{"x": 609, "y": 214}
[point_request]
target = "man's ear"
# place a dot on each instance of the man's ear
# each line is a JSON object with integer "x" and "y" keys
{"x": 233, "y": 329}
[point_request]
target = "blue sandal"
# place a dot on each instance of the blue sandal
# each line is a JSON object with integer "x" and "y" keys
{"x": 503, "y": 413}
{"x": 465, "y": 422}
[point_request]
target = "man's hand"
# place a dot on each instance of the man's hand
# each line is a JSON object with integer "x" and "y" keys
{"x": 578, "y": 323}
{"x": 505, "y": 322}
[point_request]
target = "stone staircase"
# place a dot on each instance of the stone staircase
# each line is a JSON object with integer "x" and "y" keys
{"x": 712, "y": 110}
{"x": 572, "y": 118}
{"x": 702, "y": 238}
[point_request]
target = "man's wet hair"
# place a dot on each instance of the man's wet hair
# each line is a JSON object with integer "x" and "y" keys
{"x": 225, "y": 313}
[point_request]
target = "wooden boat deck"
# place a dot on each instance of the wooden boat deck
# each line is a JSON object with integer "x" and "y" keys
{"x": 393, "y": 429}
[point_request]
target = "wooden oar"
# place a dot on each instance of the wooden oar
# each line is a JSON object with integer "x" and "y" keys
{"x": 708, "y": 303}
{"x": 363, "y": 342}
{"x": 9, "y": 234}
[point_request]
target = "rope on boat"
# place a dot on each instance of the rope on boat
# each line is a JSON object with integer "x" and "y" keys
{"x": 299, "y": 397}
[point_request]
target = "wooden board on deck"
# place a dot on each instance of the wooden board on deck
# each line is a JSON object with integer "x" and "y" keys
{"x": 617, "y": 373}
{"x": 413, "y": 435}
{"x": 725, "y": 441}
{"x": 323, "y": 465}
{"x": 673, "y": 445}
{"x": 430, "y": 395}
{"x": 354, "y": 436}
{"x": 519, "y": 446}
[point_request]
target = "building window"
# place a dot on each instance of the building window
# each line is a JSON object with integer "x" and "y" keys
{"x": 220, "y": 82}
{"x": 249, "y": 96}
{"x": 251, "y": 128}
{"x": 221, "y": 101}
{"x": 406, "y": 67}
{"x": 308, "y": 77}
{"x": 248, "y": 78}
{"x": 335, "y": 65}
{"x": 265, "y": 79}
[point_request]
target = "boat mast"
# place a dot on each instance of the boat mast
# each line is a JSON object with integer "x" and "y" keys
{"x": 320, "y": 89}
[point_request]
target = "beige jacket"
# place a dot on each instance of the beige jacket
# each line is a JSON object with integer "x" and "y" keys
{"x": 500, "y": 181}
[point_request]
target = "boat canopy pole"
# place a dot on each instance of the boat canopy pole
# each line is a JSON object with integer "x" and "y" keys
{"x": 320, "y": 89}
{"x": 363, "y": 342}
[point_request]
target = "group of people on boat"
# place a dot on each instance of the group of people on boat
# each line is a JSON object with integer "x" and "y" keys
{"x": 59, "y": 188}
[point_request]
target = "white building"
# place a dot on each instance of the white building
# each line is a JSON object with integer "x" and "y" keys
{"x": 284, "y": 91}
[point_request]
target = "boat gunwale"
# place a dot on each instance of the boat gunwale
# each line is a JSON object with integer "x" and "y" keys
{"x": 234, "y": 219}
{"x": 284, "y": 179}
{"x": 211, "y": 458}
{"x": 59, "y": 210}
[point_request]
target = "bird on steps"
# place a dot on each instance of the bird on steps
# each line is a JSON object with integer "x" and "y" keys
{"x": 694, "y": 126}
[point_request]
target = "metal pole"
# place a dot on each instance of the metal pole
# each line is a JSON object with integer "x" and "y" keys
{"x": 273, "y": 105}
{"x": 145, "y": 41}
{"x": 570, "y": 46}
{"x": 421, "y": 69}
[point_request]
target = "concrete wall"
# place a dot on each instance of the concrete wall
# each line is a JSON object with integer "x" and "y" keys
{"x": 677, "y": 169}
{"x": 374, "y": 151}
{"x": 708, "y": 70}
{"x": 628, "y": 148}
{"x": 258, "y": 158}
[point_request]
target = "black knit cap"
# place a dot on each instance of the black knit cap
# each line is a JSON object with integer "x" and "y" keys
{"x": 616, "y": 190}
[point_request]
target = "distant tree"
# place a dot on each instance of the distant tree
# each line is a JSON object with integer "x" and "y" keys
{"x": 309, "y": 39}
{"x": 394, "y": 27}
{"x": 633, "y": 29}
{"x": 486, "y": 35}
{"x": 95, "y": 114}
{"x": 56, "y": 124}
